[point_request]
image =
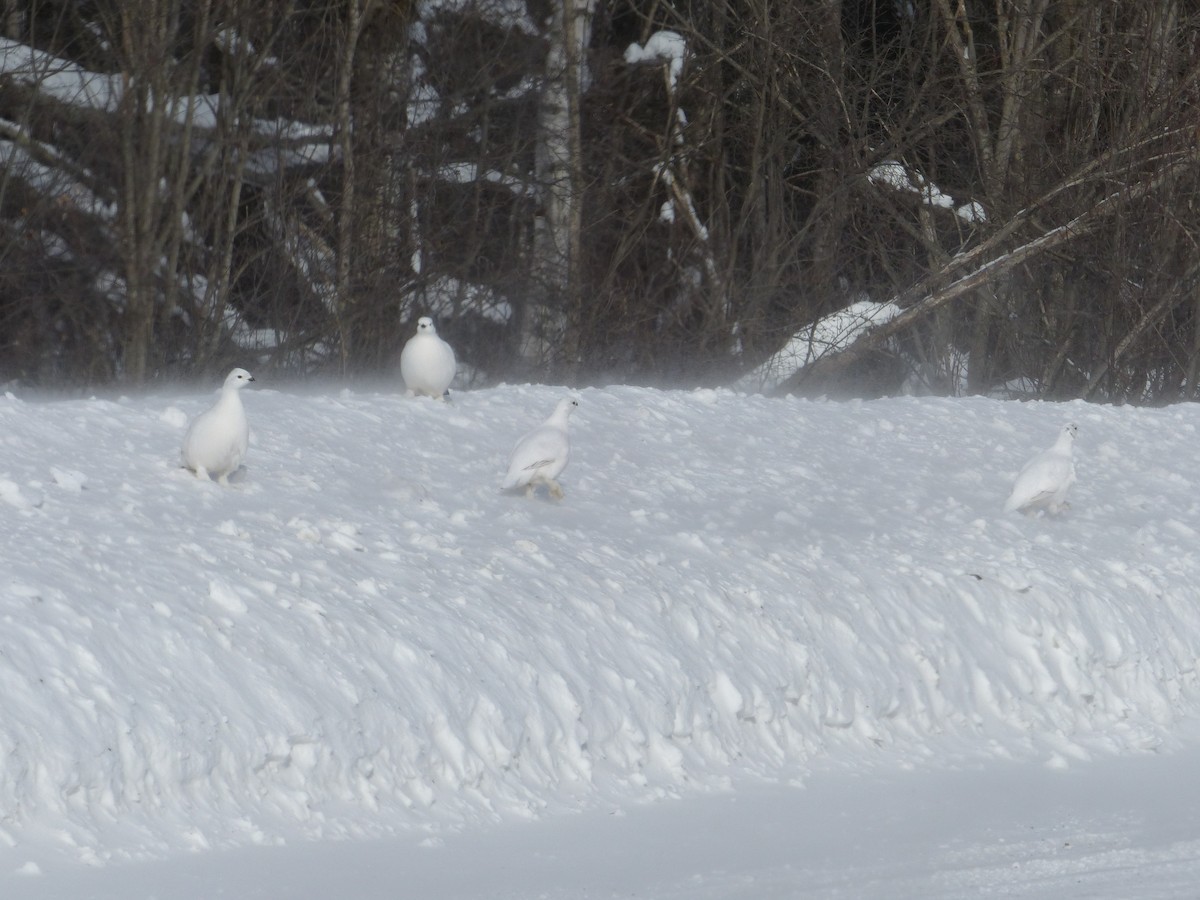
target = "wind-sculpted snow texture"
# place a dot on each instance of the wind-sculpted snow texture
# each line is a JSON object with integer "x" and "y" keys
{"x": 362, "y": 635}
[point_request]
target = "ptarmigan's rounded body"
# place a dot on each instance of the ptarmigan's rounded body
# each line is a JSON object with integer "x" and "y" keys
{"x": 427, "y": 363}
{"x": 217, "y": 439}
{"x": 1044, "y": 481}
{"x": 541, "y": 456}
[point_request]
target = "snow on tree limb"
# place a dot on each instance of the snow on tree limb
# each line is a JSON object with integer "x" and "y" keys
{"x": 828, "y": 335}
{"x": 662, "y": 46}
{"x": 505, "y": 13}
{"x": 899, "y": 178}
{"x": 72, "y": 85}
{"x": 58, "y": 78}
{"x": 49, "y": 171}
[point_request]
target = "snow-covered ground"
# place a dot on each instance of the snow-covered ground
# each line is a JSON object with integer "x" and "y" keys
{"x": 746, "y": 610}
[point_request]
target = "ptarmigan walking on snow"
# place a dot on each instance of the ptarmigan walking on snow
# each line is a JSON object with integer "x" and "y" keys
{"x": 541, "y": 456}
{"x": 427, "y": 363}
{"x": 216, "y": 441}
{"x": 1045, "y": 479}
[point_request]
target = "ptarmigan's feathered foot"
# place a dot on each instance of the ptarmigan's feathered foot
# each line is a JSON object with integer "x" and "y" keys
{"x": 553, "y": 488}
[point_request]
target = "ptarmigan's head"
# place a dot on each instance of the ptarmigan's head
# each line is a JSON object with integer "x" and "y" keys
{"x": 425, "y": 326}
{"x": 238, "y": 379}
{"x": 563, "y": 410}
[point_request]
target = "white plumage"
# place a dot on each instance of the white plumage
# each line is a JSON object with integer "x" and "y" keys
{"x": 216, "y": 441}
{"x": 541, "y": 455}
{"x": 1044, "y": 480}
{"x": 427, "y": 363}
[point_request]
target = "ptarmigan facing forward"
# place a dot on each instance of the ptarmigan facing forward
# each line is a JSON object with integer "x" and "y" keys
{"x": 216, "y": 441}
{"x": 1045, "y": 479}
{"x": 427, "y": 363}
{"x": 541, "y": 456}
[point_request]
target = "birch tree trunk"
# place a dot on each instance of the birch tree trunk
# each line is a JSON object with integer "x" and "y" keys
{"x": 550, "y": 318}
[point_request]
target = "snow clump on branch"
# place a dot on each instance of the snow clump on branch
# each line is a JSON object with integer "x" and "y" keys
{"x": 896, "y": 176}
{"x": 662, "y": 46}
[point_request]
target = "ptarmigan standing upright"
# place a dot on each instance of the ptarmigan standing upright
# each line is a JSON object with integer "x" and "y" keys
{"x": 427, "y": 363}
{"x": 541, "y": 456}
{"x": 216, "y": 441}
{"x": 1045, "y": 479}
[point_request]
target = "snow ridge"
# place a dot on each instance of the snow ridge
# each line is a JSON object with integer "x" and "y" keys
{"x": 361, "y": 635}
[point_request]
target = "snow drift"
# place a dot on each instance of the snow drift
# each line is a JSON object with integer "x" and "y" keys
{"x": 362, "y": 635}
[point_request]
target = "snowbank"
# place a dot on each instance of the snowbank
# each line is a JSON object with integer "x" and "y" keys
{"x": 362, "y": 635}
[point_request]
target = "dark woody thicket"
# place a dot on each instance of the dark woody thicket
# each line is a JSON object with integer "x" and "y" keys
{"x": 192, "y": 183}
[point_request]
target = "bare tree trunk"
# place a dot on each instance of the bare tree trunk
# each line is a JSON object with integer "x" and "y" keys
{"x": 178, "y": 186}
{"x": 1192, "y": 386}
{"x": 146, "y": 30}
{"x": 999, "y": 146}
{"x": 344, "y": 140}
{"x": 382, "y": 273}
{"x": 14, "y": 19}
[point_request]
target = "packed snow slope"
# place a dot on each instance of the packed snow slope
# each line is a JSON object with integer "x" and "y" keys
{"x": 362, "y": 635}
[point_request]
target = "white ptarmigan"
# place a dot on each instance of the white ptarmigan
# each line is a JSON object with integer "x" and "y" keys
{"x": 541, "y": 455}
{"x": 1044, "y": 480}
{"x": 216, "y": 441}
{"x": 427, "y": 363}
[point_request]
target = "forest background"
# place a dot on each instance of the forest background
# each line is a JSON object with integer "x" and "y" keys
{"x": 591, "y": 191}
